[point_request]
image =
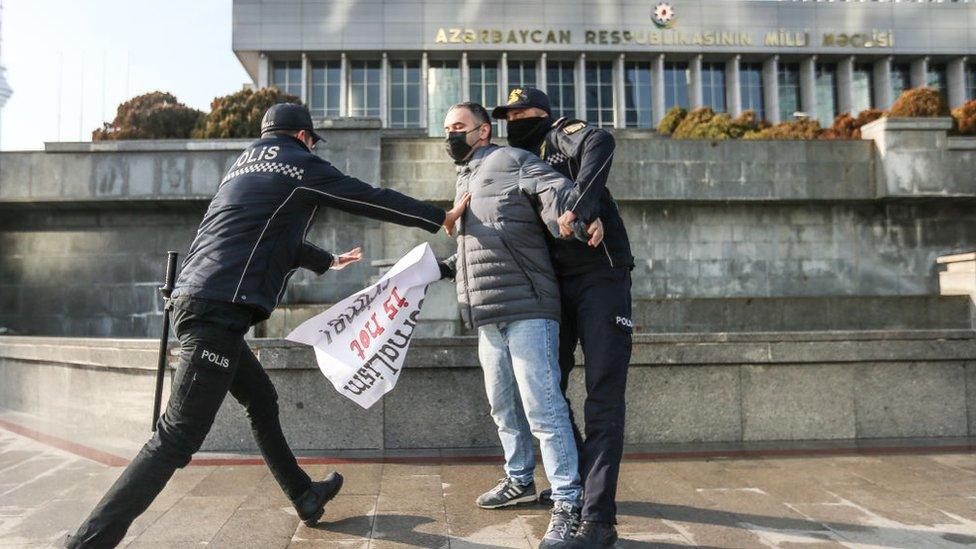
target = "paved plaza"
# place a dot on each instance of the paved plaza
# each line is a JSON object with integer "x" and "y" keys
{"x": 905, "y": 501}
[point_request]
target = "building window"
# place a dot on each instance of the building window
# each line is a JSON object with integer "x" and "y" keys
{"x": 751, "y": 82}
{"x": 521, "y": 74}
{"x": 971, "y": 81}
{"x": 599, "y": 93}
{"x": 443, "y": 91}
{"x": 675, "y": 85}
{"x": 788, "y": 77}
{"x": 825, "y": 79}
{"x": 404, "y": 94}
{"x": 287, "y": 77}
{"x": 713, "y": 86}
{"x": 364, "y": 88}
{"x": 901, "y": 80}
{"x": 637, "y": 94}
{"x": 561, "y": 88}
{"x": 483, "y": 85}
{"x": 936, "y": 78}
{"x": 862, "y": 86}
{"x": 325, "y": 87}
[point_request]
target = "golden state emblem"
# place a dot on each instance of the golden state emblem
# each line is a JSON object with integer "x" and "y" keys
{"x": 663, "y": 16}
{"x": 515, "y": 96}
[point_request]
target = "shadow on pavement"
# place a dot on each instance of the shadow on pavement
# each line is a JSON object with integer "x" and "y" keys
{"x": 398, "y": 528}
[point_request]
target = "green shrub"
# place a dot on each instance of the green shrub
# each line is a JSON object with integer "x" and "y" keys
{"x": 239, "y": 114}
{"x": 848, "y": 127}
{"x": 805, "y": 128}
{"x": 920, "y": 102}
{"x": 155, "y": 115}
{"x": 966, "y": 118}
{"x": 671, "y": 120}
{"x": 703, "y": 123}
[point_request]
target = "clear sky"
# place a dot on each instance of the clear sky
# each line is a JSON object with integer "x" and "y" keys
{"x": 96, "y": 53}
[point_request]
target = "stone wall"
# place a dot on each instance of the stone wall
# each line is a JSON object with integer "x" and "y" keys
{"x": 85, "y": 227}
{"x": 681, "y": 389}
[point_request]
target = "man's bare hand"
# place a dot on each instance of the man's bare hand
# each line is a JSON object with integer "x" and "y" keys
{"x": 595, "y": 230}
{"x": 566, "y": 224}
{"x": 348, "y": 258}
{"x": 456, "y": 212}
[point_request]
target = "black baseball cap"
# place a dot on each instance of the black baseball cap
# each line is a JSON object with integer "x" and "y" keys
{"x": 289, "y": 116}
{"x": 523, "y": 98}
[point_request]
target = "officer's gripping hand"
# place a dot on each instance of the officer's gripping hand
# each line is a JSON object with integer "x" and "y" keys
{"x": 595, "y": 230}
{"x": 456, "y": 212}
{"x": 566, "y": 224}
{"x": 348, "y": 258}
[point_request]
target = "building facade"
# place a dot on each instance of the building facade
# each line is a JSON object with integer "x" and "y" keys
{"x": 616, "y": 63}
{"x": 5, "y": 90}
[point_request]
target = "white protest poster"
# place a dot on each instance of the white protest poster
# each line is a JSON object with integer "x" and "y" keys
{"x": 361, "y": 342}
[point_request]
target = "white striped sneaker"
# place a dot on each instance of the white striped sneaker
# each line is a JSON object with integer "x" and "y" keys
{"x": 506, "y": 493}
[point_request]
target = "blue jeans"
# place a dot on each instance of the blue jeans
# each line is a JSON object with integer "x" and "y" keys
{"x": 520, "y": 360}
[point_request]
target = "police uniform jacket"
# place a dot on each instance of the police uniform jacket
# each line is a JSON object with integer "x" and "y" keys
{"x": 584, "y": 154}
{"x": 252, "y": 238}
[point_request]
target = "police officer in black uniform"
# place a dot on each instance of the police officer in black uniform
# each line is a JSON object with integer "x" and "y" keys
{"x": 595, "y": 287}
{"x": 251, "y": 240}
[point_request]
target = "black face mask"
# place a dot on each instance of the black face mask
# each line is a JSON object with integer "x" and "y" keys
{"x": 457, "y": 145}
{"x": 528, "y": 133}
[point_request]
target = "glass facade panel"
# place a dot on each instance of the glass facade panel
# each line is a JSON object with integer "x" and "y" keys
{"x": 561, "y": 88}
{"x": 675, "y": 85}
{"x": 971, "y": 81}
{"x": 936, "y": 78}
{"x": 788, "y": 77}
{"x": 751, "y": 88}
{"x": 325, "y": 87}
{"x": 483, "y": 86}
{"x": 901, "y": 80}
{"x": 287, "y": 76}
{"x": 443, "y": 90}
{"x": 825, "y": 80}
{"x": 637, "y": 94}
{"x": 521, "y": 74}
{"x": 862, "y": 86}
{"x": 599, "y": 93}
{"x": 404, "y": 94}
{"x": 364, "y": 88}
{"x": 713, "y": 86}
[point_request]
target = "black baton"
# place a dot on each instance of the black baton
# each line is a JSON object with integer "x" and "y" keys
{"x": 164, "y": 338}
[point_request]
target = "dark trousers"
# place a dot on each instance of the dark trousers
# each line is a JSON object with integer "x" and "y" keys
{"x": 213, "y": 360}
{"x": 596, "y": 313}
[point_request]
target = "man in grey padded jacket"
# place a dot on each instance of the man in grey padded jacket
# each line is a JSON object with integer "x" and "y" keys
{"x": 507, "y": 289}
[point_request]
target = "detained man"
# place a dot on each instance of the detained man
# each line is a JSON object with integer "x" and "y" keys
{"x": 507, "y": 289}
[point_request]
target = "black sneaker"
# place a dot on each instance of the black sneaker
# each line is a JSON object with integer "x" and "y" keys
{"x": 594, "y": 535}
{"x": 311, "y": 506}
{"x": 506, "y": 493}
{"x": 545, "y": 497}
{"x": 562, "y": 525}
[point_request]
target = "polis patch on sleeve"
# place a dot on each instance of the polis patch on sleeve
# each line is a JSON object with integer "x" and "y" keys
{"x": 573, "y": 128}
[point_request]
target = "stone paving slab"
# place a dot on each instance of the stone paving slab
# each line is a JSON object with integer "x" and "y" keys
{"x": 898, "y": 501}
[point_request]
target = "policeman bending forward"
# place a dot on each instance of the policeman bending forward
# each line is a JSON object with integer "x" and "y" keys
{"x": 251, "y": 240}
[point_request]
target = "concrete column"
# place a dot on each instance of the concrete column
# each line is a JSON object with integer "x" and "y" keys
{"x": 264, "y": 71}
{"x": 956, "y": 79}
{"x": 657, "y": 89}
{"x": 733, "y": 86}
{"x": 808, "y": 86}
{"x": 882, "y": 83}
{"x": 540, "y": 74}
{"x": 771, "y": 88}
{"x": 465, "y": 78}
{"x": 306, "y": 74}
{"x": 580, "y": 80}
{"x": 920, "y": 72}
{"x": 619, "y": 100}
{"x": 695, "y": 93}
{"x": 385, "y": 91}
{"x": 845, "y": 89}
{"x": 424, "y": 69}
{"x": 502, "y": 79}
{"x": 344, "y": 85}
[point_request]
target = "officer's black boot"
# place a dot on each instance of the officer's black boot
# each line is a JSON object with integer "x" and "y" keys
{"x": 594, "y": 535}
{"x": 311, "y": 506}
